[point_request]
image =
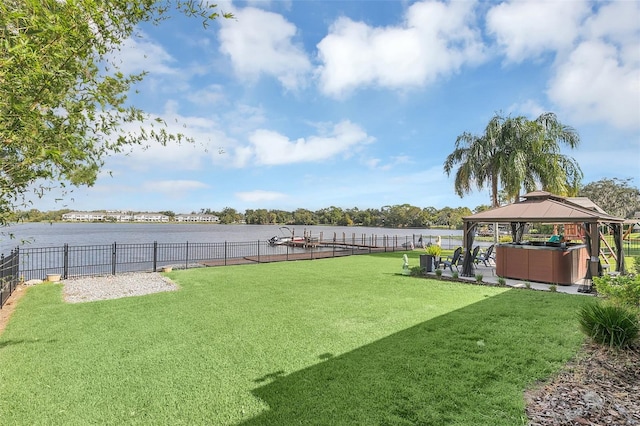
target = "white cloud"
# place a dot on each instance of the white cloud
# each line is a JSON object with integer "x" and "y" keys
{"x": 394, "y": 162}
{"x": 529, "y": 108}
{"x": 526, "y": 29}
{"x": 259, "y": 196}
{"x": 272, "y": 148}
{"x": 210, "y": 95}
{"x": 617, "y": 21}
{"x": 595, "y": 76}
{"x": 137, "y": 54}
{"x": 260, "y": 42}
{"x": 594, "y": 85}
{"x": 436, "y": 39}
{"x": 173, "y": 187}
{"x": 208, "y": 140}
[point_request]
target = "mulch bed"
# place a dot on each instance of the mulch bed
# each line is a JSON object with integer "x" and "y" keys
{"x": 600, "y": 387}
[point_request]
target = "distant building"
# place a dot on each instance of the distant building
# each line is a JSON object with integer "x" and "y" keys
{"x": 119, "y": 217}
{"x": 113, "y": 216}
{"x": 197, "y": 218}
{"x": 150, "y": 217}
{"x": 83, "y": 216}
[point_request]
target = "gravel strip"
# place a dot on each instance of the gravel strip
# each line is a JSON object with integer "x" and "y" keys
{"x": 89, "y": 289}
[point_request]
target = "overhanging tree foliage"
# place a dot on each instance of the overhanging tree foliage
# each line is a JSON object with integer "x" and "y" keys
{"x": 63, "y": 102}
{"x": 616, "y": 196}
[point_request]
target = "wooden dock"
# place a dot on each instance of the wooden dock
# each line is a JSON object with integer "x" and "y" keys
{"x": 315, "y": 243}
{"x": 307, "y": 242}
{"x": 347, "y": 245}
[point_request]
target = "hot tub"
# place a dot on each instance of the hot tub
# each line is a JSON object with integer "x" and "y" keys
{"x": 551, "y": 263}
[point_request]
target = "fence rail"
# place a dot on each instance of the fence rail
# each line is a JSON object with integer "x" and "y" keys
{"x": 109, "y": 259}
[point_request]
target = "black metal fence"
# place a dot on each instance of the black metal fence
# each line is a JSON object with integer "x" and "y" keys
{"x": 9, "y": 275}
{"x": 109, "y": 259}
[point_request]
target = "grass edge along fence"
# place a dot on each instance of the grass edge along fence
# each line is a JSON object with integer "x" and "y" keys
{"x": 68, "y": 261}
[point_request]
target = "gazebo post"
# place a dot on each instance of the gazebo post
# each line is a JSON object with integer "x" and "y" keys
{"x": 617, "y": 238}
{"x": 467, "y": 242}
{"x": 595, "y": 245}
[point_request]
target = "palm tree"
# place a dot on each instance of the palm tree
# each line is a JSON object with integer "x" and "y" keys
{"x": 516, "y": 153}
{"x": 479, "y": 158}
{"x": 534, "y": 157}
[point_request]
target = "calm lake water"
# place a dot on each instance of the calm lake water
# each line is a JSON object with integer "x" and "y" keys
{"x": 58, "y": 234}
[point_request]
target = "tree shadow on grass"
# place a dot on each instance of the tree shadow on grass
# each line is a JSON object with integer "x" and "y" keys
{"x": 467, "y": 367}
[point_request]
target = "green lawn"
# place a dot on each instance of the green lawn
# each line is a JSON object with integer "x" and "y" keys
{"x": 345, "y": 341}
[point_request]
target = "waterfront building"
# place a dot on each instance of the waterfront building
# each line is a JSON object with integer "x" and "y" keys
{"x": 197, "y": 218}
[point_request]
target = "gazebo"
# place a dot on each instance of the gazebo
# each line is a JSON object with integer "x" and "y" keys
{"x": 544, "y": 207}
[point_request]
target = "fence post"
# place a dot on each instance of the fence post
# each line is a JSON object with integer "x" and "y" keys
{"x": 15, "y": 276}
{"x": 225, "y": 253}
{"x": 258, "y": 251}
{"x": 113, "y": 258}
{"x": 155, "y": 256}
{"x": 65, "y": 266}
{"x": 17, "y": 263}
{"x": 186, "y": 256}
{"x": 2, "y": 266}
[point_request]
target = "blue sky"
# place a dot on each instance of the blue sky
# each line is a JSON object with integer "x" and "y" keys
{"x": 312, "y": 104}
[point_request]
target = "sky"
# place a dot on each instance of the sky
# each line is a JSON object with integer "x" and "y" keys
{"x": 313, "y": 104}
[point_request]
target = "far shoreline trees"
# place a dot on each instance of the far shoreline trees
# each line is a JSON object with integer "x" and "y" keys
{"x": 616, "y": 196}
{"x": 397, "y": 216}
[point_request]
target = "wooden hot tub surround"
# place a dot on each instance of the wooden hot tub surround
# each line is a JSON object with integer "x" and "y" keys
{"x": 552, "y": 263}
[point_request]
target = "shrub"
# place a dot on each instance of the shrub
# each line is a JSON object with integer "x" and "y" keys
{"x": 553, "y": 288}
{"x": 479, "y": 278}
{"x": 527, "y": 284}
{"x": 438, "y": 272}
{"x": 611, "y": 325}
{"x": 455, "y": 275}
{"x": 433, "y": 250}
{"x": 502, "y": 281}
{"x": 505, "y": 239}
{"x": 416, "y": 271}
{"x": 620, "y": 290}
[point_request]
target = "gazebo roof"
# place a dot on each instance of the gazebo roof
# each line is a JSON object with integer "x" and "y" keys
{"x": 541, "y": 206}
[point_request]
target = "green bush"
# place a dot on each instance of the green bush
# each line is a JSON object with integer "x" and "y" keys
{"x": 438, "y": 272}
{"x": 505, "y": 239}
{"x": 502, "y": 281}
{"x": 611, "y": 325}
{"x": 416, "y": 271}
{"x": 479, "y": 278}
{"x": 433, "y": 250}
{"x": 621, "y": 290}
{"x": 455, "y": 275}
